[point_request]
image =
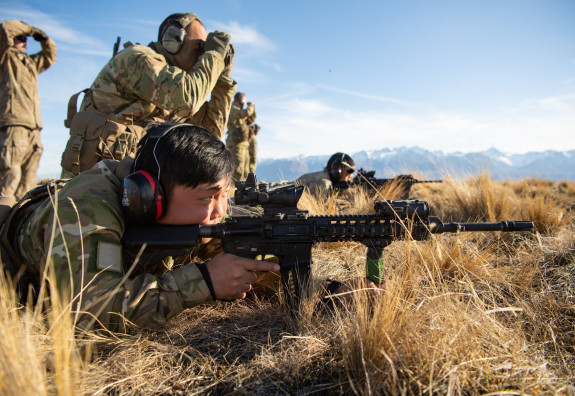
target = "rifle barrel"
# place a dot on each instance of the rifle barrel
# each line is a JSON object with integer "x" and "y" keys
{"x": 438, "y": 227}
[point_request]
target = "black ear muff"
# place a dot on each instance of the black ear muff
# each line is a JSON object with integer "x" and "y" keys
{"x": 142, "y": 198}
{"x": 173, "y": 37}
{"x": 335, "y": 172}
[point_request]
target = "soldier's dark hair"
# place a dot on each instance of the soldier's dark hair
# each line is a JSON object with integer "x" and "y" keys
{"x": 339, "y": 159}
{"x": 239, "y": 96}
{"x": 186, "y": 155}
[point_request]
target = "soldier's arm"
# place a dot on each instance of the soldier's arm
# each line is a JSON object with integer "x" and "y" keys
{"x": 169, "y": 87}
{"x": 9, "y": 30}
{"x": 46, "y": 57}
{"x": 94, "y": 274}
{"x": 213, "y": 115}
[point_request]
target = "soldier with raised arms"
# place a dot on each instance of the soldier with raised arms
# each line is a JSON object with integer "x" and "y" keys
{"x": 20, "y": 120}
{"x": 168, "y": 80}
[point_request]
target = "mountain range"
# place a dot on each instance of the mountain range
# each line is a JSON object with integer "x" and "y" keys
{"x": 550, "y": 165}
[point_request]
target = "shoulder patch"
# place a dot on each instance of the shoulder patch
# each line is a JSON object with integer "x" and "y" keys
{"x": 109, "y": 257}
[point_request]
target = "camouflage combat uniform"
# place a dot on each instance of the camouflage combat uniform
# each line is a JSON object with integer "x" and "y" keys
{"x": 253, "y": 150}
{"x": 20, "y": 121}
{"x": 316, "y": 181}
{"x": 87, "y": 255}
{"x": 141, "y": 84}
{"x": 238, "y": 138}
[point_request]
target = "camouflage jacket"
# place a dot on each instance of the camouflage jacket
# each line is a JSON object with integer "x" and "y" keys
{"x": 253, "y": 154}
{"x": 316, "y": 181}
{"x": 238, "y": 124}
{"x": 86, "y": 254}
{"x": 141, "y": 84}
{"x": 19, "y": 98}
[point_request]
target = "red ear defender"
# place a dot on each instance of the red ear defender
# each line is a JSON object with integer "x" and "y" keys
{"x": 142, "y": 198}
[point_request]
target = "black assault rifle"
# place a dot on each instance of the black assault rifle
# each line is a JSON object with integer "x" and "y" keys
{"x": 368, "y": 179}
{"x": 289, "y": 233}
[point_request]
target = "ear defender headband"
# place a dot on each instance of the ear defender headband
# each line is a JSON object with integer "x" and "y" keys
{"x": 334, "y": 168}
{"x": 173, "y": 31}
{"x": 143, "y": 200}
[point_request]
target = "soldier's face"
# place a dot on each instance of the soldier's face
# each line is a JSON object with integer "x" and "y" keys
{"x": 346, "y": 175}
{"x": 205, "y": 204}
{"x": 20, "y": 43}
{"x": 193, "y": 46}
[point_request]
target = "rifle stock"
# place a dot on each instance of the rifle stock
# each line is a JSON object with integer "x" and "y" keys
{"x": 290, "y": 233}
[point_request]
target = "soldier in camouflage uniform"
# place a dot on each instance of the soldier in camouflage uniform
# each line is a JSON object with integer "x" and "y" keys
{"x": 20, "y": 121}
{"x": 340, "y": 167}
{"x": 86, "y": 251}
{"x": 168, "y": 80}
{"x": 239, "y": 124}
{"x": 253, "y": 150}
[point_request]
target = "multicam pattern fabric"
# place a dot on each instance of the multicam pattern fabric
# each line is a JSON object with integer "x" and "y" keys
{"x": 140, "y": 85}
{"x": 253, "y": 151}
{"x": 316, "y": 181}
{"x": 85, "y": 253}
{"x": 238, "y": 138}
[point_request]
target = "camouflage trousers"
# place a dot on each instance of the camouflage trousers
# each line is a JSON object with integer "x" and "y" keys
{"x": 241, "y": 153}
{"x": 20, "y": 152}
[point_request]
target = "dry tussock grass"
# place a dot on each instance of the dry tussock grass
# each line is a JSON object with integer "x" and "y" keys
{"x": 460, "y": 314}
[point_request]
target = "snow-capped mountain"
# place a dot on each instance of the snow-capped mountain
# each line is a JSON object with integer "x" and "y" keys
{"x": 551, "y": 165}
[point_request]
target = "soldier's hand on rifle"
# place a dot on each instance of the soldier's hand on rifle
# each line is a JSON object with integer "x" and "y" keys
{"x": 232, "y": 276}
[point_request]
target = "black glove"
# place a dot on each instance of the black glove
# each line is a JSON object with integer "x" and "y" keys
{"x": 229, "y": 61}
{"x": 39, "y": 35}
{"x": 219, "y": 42}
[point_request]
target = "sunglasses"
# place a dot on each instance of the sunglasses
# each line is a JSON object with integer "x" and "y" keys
{"x": 22, "y": 38}
{"x": 350, "y": 170}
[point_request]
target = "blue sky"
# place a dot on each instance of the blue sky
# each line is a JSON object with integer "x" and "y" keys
{"x": 331, "y": 76}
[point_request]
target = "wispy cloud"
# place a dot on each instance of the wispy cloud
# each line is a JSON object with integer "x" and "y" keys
{"x": 67, "y": 38}
{"x": 557, "y": 103}
{"x": 310, "y": 127}
{"x": 363, "y": 95}
{"x": 245, "y": 35}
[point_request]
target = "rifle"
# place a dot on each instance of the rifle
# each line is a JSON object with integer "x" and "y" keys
{"x": 116, "y": 46}
{"x": 289, "y": 233}
{"x": 368, "y": 179}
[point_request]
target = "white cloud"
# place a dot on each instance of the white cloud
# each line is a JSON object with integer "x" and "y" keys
{"x": 65, "y": 37}
{"x": 363, "y": 95}
{"x": 309, "y": 127}
{"x": 245, "y": 36}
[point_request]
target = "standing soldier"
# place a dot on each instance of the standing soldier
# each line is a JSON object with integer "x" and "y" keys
{"x": 254, "y": 148}
{"x": 167, "y": 80}
{"x": 239, "y": 133}
{"x": 20, "y": 120}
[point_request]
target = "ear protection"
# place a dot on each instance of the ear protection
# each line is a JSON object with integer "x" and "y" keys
{"x": 334, "y": 166}
{"x": 143, "y": 200}
{"x": 173, "y": 31}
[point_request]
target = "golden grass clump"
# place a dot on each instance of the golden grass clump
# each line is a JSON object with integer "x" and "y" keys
{"x": 458, "y": 314}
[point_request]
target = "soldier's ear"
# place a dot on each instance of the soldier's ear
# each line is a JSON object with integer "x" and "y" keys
{"x": 143, "y": 200}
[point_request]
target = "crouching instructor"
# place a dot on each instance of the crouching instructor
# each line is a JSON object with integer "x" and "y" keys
{"x": 187, "y": 171}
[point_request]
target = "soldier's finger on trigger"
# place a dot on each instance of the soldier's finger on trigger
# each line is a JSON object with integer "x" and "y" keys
{"x": 261, "y": 265}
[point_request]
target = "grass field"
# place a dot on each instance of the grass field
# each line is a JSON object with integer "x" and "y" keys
{"x": 473, "y": 313}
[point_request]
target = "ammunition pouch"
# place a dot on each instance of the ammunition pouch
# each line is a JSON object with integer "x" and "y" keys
{"x": 94, "y": 137}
